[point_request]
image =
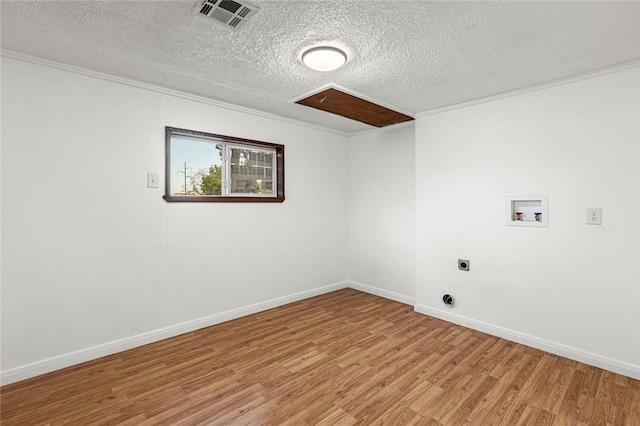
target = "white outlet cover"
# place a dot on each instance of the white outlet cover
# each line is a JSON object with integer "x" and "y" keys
{"x": 594, "y": 216}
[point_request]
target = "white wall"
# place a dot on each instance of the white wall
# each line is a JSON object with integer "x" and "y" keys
{"x": 571, "y": 288}
{"x": 382, "y": 212}
{"x": 95, "y": 262}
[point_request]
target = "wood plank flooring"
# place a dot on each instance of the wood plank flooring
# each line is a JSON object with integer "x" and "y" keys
{"x": 343, "y": 358}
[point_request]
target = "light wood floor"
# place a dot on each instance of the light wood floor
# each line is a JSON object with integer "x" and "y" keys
{"x": 342, "y": 358}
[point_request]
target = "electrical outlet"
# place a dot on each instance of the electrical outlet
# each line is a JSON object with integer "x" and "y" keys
{"x": 594, "y": 216}
{"x": 463, "y": 264}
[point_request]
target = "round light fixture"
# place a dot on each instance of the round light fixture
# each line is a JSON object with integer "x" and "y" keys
{"x": 324, "y": 58}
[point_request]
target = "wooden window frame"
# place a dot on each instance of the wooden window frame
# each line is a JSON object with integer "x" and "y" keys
{"x": 249, "y": 143}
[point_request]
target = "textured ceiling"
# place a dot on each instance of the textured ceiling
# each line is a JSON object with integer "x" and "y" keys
{"x": 414, "y": 56}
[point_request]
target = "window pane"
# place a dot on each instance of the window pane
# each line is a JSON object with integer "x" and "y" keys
{"x": 206, "y": 167}
{"x": 196, "y": 166}
{"x": 251, "y": 171}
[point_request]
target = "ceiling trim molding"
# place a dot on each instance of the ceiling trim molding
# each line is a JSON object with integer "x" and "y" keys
{"x": 535, "y": 88}
{"x": 161, "y": 90}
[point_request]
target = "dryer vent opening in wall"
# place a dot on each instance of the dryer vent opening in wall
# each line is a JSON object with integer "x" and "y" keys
{"x": 448, "y": 300}
{"x": 232, "y": 14}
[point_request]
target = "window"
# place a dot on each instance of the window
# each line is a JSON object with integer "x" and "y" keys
{"x": 204, "y": 167}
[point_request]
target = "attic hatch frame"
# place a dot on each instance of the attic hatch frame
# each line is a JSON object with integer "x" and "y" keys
{"x": 340, "y": 101}
{"x": 232, "y": 14}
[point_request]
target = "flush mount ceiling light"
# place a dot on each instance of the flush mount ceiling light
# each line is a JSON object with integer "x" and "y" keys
{"x": 324, "y": 58}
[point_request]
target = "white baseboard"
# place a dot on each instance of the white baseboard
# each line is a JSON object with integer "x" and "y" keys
{"x": 575, "y": 354}
{"x": 407, "y": 300}
{"x": 95, "y": 352}
{"x": 89, "y": 354}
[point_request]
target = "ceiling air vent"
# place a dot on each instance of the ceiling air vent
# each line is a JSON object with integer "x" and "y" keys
{"x": 230, "y": 13}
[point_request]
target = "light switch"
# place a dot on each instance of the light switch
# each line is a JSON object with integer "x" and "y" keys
{"x": 152, "y": 180}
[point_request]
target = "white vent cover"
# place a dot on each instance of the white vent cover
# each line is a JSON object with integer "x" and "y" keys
{"x": 230, "y": 13}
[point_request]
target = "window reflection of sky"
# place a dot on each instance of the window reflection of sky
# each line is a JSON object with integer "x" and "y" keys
{"x": 196, "y": 153}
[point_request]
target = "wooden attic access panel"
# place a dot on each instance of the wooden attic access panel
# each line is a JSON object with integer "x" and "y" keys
{"x": 349, "y": 106}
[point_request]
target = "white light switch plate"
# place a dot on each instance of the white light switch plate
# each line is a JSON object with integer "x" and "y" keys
{"x": 152, "y": 180}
